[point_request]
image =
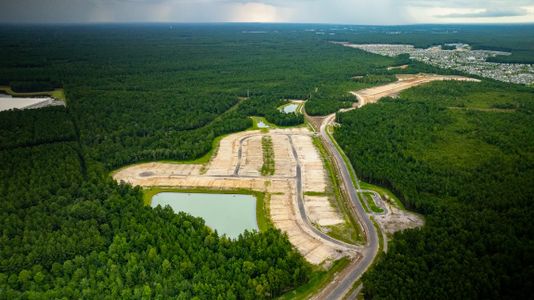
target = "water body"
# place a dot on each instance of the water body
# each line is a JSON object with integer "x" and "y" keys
{"x": 291, "y": 108}
{"x": 262, "y": 125}
{"x": 229, "y": 214}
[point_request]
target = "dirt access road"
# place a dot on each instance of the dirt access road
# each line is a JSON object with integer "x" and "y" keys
{"x": 405, "y": 81}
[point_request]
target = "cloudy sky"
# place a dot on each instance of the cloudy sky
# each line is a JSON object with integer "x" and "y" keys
{"x": 300, "y": 11}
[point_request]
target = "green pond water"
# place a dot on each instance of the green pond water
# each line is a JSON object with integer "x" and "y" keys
{"x": 229, "y": 214}
{"x": 290, "y": 108}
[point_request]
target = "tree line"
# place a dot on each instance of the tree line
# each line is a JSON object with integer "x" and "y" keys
{"x": 70, "y": 231}
{"x": 469, "y": 171}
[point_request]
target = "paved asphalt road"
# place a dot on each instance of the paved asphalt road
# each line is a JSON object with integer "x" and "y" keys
{"x": 338, "y": 288}
{"x": 300, "y": 198}
{"x": 300, "y": 202}
{"x": 342, "y": 284}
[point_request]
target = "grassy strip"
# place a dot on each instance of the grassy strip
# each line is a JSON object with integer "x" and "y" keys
{"x": 372, "y": 204}
{"x": 300, "y": 109}
{"x": 383, "y": 192}
{"x": 351, "y": 232}
{"x": 348, "y": 163}
{"x": 262, "y": 213}
{"x": 318, "y": 280}
{"x": 345, "y": 232}
{"x": 58, "y": 94}
{"x": 268, "y": 156}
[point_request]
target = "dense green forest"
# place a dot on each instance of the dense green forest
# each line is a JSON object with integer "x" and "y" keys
{"x": 452, "y": 152}
{"x": 148, "y": 92}
{"x": 68, "y": 231}
{"x": 153, "y": 92}
{"x": 137, "y": 93}
{"x": 35, "y": 126}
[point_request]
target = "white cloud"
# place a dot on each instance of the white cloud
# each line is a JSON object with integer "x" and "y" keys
{"x": 256, "y": 12}
{"x": 310, "y": 11}
{"x": 489, "y": 13}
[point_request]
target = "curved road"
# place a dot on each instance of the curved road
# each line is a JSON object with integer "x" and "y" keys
{"x": 338, "y": 288}
{"x": 299, "y": 192}
{"x": 302, "y": 210}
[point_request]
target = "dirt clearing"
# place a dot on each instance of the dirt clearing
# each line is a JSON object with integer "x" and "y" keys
{"x": 405, "y": 81}
{"x": 237, "y": 165}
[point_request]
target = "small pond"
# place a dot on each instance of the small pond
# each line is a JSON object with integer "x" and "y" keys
{"x": 229, "y": 214}
{"x": 262, "y": 125}
{"x": 290, "y": 108}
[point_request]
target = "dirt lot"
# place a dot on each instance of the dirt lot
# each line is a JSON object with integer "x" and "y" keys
{"x": 392, "y": 218}
{"x": 398, "y": 220}
{"x": 403, "y": 67}
{"x": 405, "y": 81}
{"x": 237, "y": 164}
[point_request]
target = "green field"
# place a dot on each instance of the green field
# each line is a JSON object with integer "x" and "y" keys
{"x": 267, "y": 169}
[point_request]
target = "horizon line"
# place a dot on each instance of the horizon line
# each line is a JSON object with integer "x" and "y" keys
{"x": 23, "y": 23}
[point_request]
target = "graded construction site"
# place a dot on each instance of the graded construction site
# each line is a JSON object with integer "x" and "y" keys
{"x": 405, "y": 81}
{"x": 298, "y": 191}
{"x": 296, "y": 203}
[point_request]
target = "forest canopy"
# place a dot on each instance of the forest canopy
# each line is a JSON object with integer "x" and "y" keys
{"x": 468, "y": 166}
{"x": 460, "y": 153}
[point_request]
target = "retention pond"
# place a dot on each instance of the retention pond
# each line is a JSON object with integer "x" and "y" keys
{"x": 229, "y": 214}
{"x": 290, "y": 108}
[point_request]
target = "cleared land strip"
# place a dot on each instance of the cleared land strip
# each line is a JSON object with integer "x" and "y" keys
{"x": 237, "y": 165}
{"x": 405, "y": 81}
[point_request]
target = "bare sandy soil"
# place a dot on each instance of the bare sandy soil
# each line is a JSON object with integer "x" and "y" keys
{"x": 393, "y": 219}
{"x": 398, "y": 220}
{"x": 405, "y": 81}
{"x": 237, "y": 164}
{"x": 403, "y": 67}
{"x": 7, "y": 102}
{"x": 252, "y": 157}
{"x": 321, "y": 212}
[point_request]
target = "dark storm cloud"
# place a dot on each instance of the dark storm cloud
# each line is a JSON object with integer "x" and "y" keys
{"x": 325, "y": 11}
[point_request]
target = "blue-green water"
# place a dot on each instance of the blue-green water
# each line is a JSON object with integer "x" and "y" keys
{"x": 229, "y": 214}
{"x": 291, "y": 108}
{"x": 262, "y": 125}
